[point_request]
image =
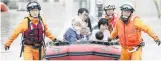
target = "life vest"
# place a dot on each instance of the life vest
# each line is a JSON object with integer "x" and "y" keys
{"x": 128, "y": 34}
{"x": 111, "y": 22}
{"x": 34, "y": 34}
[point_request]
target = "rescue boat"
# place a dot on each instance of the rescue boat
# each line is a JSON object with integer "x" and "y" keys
{"x": 93, "y": 50}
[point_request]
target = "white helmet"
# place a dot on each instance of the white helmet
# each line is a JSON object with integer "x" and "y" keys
{"x": 127, "y": 6}
{"x": 109, "y": 6}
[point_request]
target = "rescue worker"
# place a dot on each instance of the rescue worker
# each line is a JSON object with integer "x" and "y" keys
{"x": 33, "y": 29}
{"x": 129, "y": 28}
{"x": 110, "y": 16}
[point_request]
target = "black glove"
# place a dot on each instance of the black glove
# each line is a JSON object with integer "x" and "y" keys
{"x": 7, "y": 47}
{"x": 109, "y": 40}
{"x": 55, "y": 40}
{"x": 158, "y": 42}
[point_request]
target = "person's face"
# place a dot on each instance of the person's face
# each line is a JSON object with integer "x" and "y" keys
{"x": 109, "y": 12}
{"x": 103, "y": 27}
{"x": 83, "y": 15}
{"x": 84, "y": 24}
{"x": 34, "y": 13}
{"x": 83, "y": 30}
{"x": 126, "y": 13}
{"x": 77, "y": 27}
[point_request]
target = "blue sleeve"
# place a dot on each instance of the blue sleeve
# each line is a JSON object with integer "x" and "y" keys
{"x": 70, "y": 36}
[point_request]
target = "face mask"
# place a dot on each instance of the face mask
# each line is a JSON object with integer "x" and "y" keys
{"x": 124, "y": 18}
{"x": 34, "y": 14}
{"x": 110, "y": 16}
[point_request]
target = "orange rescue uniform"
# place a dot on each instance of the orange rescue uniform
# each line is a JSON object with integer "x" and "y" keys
{"x": 130, "y": 36}
{"x": 29, "y": 52}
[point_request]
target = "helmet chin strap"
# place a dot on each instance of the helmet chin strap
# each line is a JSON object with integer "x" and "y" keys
{"x": 126, "y": 21}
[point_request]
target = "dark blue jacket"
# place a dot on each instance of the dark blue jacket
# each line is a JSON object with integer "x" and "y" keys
{"x": 71, "y": 36}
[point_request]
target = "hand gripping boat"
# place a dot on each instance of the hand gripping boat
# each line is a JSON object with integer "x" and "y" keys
{"x": 93, "y": 50}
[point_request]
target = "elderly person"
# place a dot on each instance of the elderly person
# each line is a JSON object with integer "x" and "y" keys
{"x": 72, "y": 34}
